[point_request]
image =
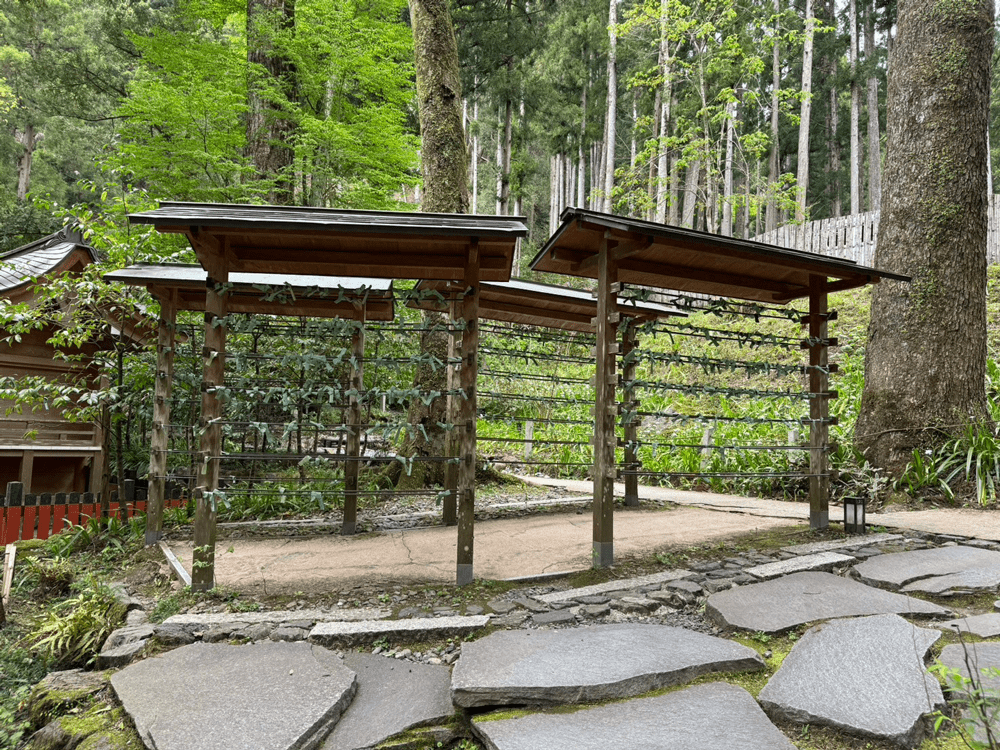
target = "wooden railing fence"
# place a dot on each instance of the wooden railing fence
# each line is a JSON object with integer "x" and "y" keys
{"x": 854, "y": 237}
{"x": 39, "y": 516}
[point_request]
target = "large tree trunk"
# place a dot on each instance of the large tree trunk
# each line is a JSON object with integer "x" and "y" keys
{"x": 439, "y": 97}
{"x": 272, "y": 79}
{"x": 925, "y": 364}
{"x": 445, "y": 173}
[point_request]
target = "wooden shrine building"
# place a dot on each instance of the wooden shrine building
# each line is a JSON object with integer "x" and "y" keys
{"x": 615, "y": 250}
{"x": 43, "y": 450}
{"x": 276, "y": 241}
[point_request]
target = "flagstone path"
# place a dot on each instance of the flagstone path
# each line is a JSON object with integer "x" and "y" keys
{"x": 555, "y": 651}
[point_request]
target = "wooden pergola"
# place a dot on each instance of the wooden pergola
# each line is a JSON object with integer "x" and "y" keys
{"x": 275, "y": 241}
{"x": 615, "y": 250}
{"x": 550, "y": 306}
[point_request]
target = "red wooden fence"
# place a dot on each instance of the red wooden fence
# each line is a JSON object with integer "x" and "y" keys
{"x": 40, "y": 516}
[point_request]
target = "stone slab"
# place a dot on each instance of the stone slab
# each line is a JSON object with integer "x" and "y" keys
{"x": 939, "y": 570}
{"x": 865, "y": 676}
{"x": 346, "y": 633}
{"x": 623, "y": 584}
{"x": 264, "y": 696}
{"x": 985, "y": 626}
{"x": 819, "y": 561}
{"x": 279, "y": 616}
{"x": 393, "y": 696}
{"x": 126, "y": 635}
{"x": 984, "y": 658}
{"x": 782, "y": 603}
{"x": 864, "y": 540}
{"x": 590, "y": 663}
{"x": 716, "y": 716}
{"x": 119, "y": 656}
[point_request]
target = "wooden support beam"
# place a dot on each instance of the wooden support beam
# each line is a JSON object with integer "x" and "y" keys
{"x": 630, "y": 430}
{"x": 819, "y": 407}
{"x": 357, "y": 385}
{"x": 620, "y": 250}
{"x": 159, "y": 443}
{"x": 210, "y": 451}
{"x": 605, "y": 411}
{"x": 466, "y": 423}
{"x": 449, "y": 507}
{"x": 27, "y": 469}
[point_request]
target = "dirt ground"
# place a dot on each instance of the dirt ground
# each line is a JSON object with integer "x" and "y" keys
{"x": 505, "y": 548}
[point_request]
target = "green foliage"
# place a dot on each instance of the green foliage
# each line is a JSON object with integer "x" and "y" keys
{"x": 976, "y": 706}
{"x": 184, "y": 130}
{"x": 19, "y": 670}
{"x": 72, "y": 633}
{"x": 52, "y": 576}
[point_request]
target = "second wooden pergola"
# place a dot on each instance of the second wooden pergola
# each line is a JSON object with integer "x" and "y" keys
{"x": 613, "y": 250}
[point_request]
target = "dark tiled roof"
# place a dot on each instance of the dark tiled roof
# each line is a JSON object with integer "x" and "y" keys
{"x": 21, "y": 265}
{"x": 292, "y": 217}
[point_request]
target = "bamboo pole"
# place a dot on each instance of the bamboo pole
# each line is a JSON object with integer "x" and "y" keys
{"x": 819, "y": 404}
{"x": 160, "y": 439}
{"x": 357, "y": 384}
{"x": 466, "y": 423}
{"x": 604, "y": 416}
{"x": 449, "y": 507}
{"x": 213, "y": 378}
{"x": 630, "y": 430}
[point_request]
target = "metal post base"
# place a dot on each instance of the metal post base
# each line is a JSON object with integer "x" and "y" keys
{"x": 463, "y": 575}
{"x": 604, "y": 554}
{"x": 819, "y": 519}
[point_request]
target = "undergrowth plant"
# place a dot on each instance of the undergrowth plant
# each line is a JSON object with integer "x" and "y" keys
{"x": 72, "y": 632}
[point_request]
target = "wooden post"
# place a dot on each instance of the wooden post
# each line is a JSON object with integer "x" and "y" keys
{"x": 210, "y": 451}
{"x": 466, "y": 423}
{"x": 27, "y": 468}
{"x": 605, "y": 410}
{"x": 819, "y": 405}
{"x": 126, "y": 500}
{"x": 353, "y": 464}
{"x": 159, "y": 443}
{"x": 449, "y": 507}
{"x": 630, "y": 430}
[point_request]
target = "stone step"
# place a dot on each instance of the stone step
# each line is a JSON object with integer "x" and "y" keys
{"x": 393, "y": 696}
{"x": 212, "y": 696}
{"x": 716, "y": 716}
{"x": 941, "y": 571}
{"x": 365, "y": 631}
{"x": 590, "y": 663}
{"x": 622, "y": 584}
{"x": 865, "y": 676}
{"x": 782, "y": 603}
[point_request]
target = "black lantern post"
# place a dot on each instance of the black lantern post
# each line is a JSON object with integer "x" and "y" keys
{"x": 854, "y": 515}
